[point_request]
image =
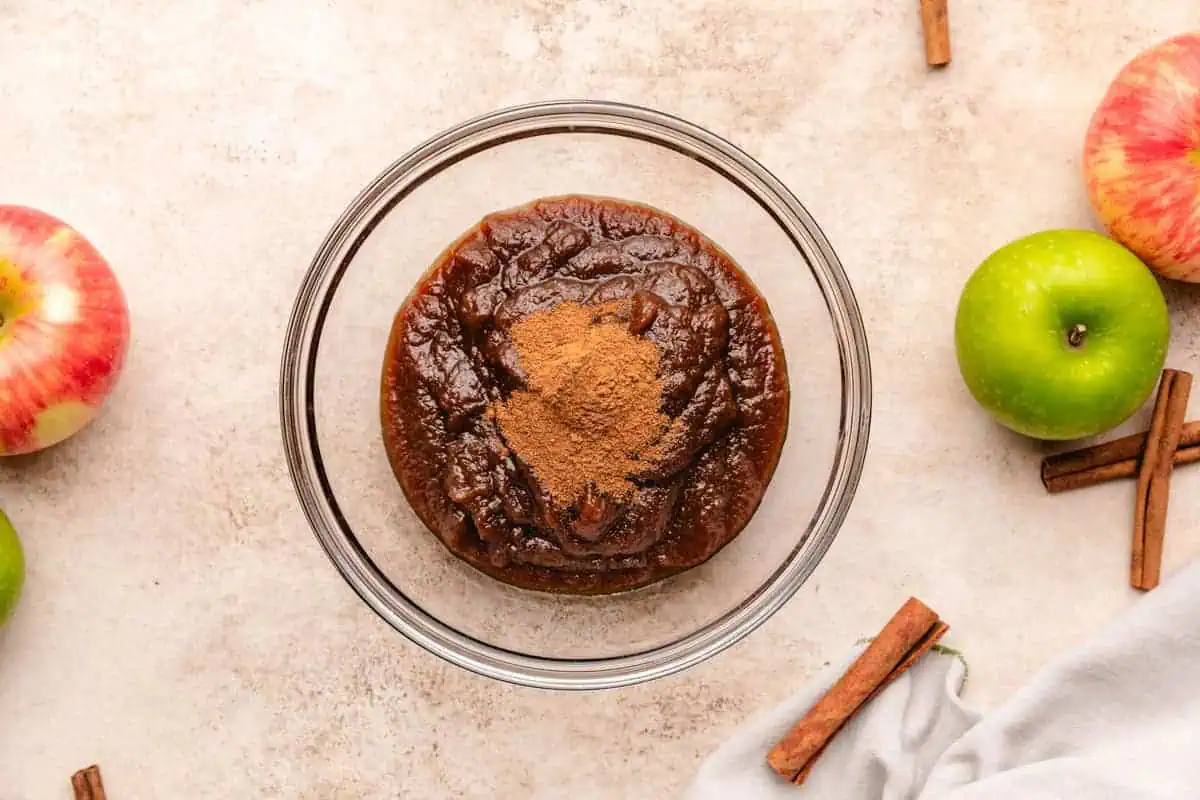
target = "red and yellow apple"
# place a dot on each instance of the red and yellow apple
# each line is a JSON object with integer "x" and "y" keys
{"x": 1142, "y": 157}
{"x": 64, "y": 330}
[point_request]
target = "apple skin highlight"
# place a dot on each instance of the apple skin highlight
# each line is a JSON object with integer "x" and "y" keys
{"x": 64, "y": 332}
{"x": 1014, "y": 332}
{"x": 1141, "y": 160}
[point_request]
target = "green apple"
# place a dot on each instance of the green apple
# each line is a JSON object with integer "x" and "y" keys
{"x": 12, "y": 569}
{"x": 1061, "y": 334}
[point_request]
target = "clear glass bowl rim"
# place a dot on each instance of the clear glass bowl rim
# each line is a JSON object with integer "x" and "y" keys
{"x": 332, "y": 259}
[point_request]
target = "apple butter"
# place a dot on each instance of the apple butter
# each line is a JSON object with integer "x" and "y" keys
{"x": 584, "y": 395}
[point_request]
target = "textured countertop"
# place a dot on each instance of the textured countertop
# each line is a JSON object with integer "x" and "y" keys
{"x": 181, "y": 625}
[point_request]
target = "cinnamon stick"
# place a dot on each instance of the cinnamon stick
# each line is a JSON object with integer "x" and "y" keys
{"x": 1119, "y": 458}
{"x": 1101, "y": 473}
{"x": 921, "y": 648}
{"x": 1154, "y": 478}
{"x": 1107, "y": 453}
{"x": 935, "y": 22}
{"x": 1158, "y": 422}
{"x": 910, "y": 633}
{"x": 88, "y": 785}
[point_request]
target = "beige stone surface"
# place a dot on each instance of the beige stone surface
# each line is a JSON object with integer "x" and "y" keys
{"x": 182, "y": 627}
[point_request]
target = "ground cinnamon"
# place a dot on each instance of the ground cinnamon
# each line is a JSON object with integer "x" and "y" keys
{"x": 1154, "y": 478}
{"x": 87, "y": 784}
{"x": 591, "y": 408}
{"x": 910, "y": 633}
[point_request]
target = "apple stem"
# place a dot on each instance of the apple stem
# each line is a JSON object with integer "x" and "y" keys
{"x": 1076, "y": 335}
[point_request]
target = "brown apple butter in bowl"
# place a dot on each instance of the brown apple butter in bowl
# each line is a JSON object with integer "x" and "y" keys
{"x": 584, "y": 395}
{"x": 595, "y": 467}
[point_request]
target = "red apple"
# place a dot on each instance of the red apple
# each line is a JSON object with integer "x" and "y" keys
{"x": 64, "y": 330}
{"x": 1142, "y": 157}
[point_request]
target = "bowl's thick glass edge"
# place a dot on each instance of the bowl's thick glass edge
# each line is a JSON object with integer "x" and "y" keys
{"x": 303, "y": 337}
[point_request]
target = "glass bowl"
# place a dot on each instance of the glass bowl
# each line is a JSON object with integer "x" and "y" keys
{"x": 333, "y": 355}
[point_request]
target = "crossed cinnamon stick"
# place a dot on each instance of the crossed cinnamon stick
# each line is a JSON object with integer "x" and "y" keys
{"x": 1151, "y": 457}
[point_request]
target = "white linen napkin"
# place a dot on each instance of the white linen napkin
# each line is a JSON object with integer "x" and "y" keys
{"x": 1116, "y": 717}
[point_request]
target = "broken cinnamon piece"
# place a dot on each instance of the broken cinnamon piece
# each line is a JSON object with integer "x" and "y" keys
{"x": 935, "y": 22}
{"x": 910, "y": 633}
{"x": 1154, "y": 478}
{"x": 87, "y": 784}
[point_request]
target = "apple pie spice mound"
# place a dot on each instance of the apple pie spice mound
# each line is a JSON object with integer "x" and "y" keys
{"x": 591, "y": 411}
